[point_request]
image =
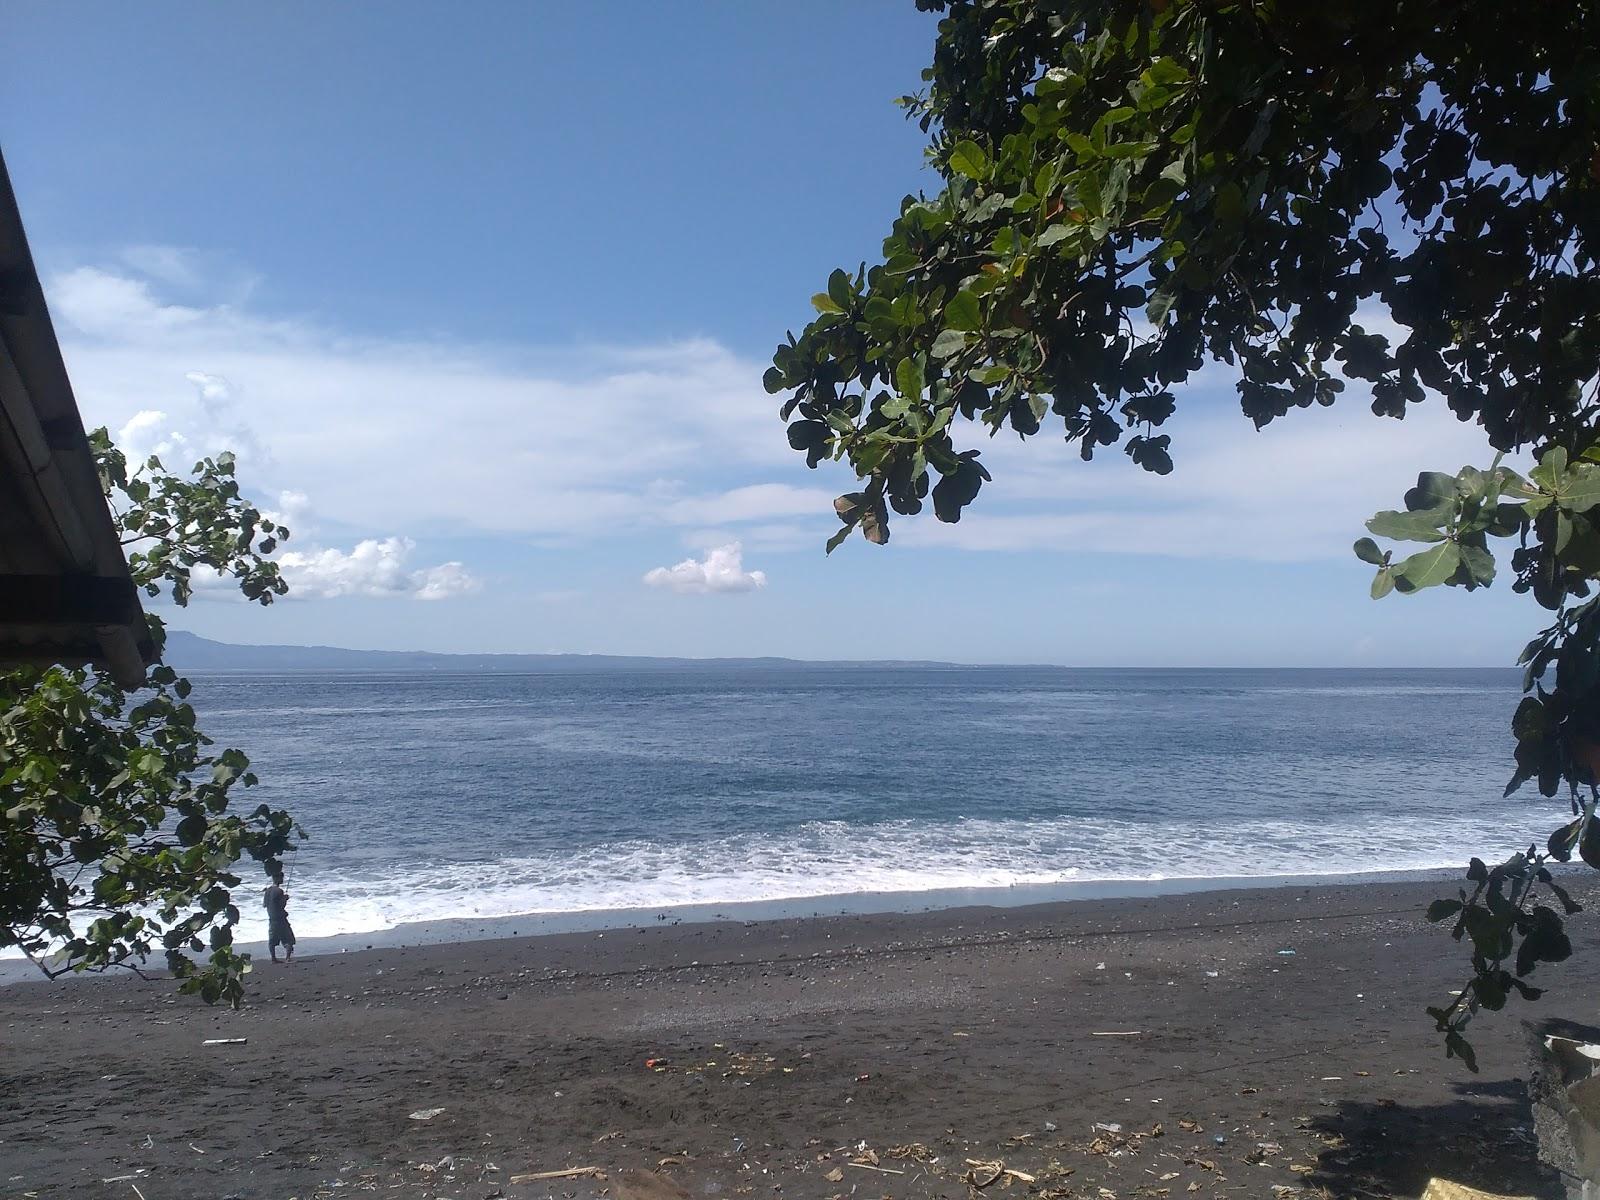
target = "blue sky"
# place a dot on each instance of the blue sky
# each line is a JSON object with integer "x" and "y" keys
{"x": 483, "y": 297}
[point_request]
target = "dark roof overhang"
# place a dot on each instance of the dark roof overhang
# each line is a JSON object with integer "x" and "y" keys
{"x": 66, "y": 595}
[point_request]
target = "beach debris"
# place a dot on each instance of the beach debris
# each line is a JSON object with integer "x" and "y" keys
{"x": 606, "y": 1137}
{"x": 874, "y": 1167}
{"x": 1219, "y": 1140}
{"x": 563, "y": 1173}
{"x": 1444, "y": 1189}
{"x": 1049, "y": 1126}
{"x": 123, "y": 1178}
{"x": 985, "y": 1173}
{"x": 224, "y": 1041}
{"x": 1286, "y": 953}
{"x": 1189, "y": 1126}
{"x": 1117, "y": 1033}
{"x": 426, "y": 1114}
{"x": 1099, "y": 966}
{"x": 835, "y": 1176}
{"x": 656, "y": 1064}
{"x": 1108, "y": 1126}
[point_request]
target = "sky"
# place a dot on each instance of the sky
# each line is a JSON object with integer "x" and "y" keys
{"x": 482, "y": 299}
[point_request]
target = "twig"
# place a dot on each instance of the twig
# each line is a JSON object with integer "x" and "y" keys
{"x": 870, "y": 1167}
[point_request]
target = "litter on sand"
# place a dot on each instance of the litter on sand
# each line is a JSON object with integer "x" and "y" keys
{"x": 1117, "y": 1033}
{"x": 224, "y": 1041}
{"x": 426, "y": 1114}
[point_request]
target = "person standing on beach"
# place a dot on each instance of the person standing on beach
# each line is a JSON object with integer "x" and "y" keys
{"x": 279, "y": 931}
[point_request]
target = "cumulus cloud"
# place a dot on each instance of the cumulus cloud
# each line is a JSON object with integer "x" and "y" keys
{"x": 181, "y": 434}
{"x": 375, "y": 567}
{"x": 721, "y": 570}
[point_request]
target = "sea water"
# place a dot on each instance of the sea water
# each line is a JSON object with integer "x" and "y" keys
{"x": 430, "y": 797}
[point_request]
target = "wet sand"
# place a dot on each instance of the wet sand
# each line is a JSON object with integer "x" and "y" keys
{"x": 1135, "y": 1047}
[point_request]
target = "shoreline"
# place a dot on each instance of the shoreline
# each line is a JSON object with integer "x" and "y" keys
{"x": 934, "y": 900}
{"x": 1249, "y": 1041}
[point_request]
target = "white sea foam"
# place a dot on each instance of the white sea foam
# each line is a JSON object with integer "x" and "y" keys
{"x": 826, "y": 859}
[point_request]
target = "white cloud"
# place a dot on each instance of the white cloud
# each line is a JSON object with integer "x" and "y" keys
{"x": 754, "y": 502}
{"x": 373, "y": 568}
{"x": 432, "y": 436}
{"x": 721, "y": 570}
{"x": 1298, "y": 490}
{"x": 435, "y": 437}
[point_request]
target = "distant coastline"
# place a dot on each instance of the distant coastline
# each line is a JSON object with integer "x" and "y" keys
{"x": 190, "y": 652}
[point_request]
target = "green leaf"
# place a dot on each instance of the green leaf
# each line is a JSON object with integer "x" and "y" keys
{"x": 1367, "y": 551}
{"x": 1429, "y": 567}
{"x": 1383, "y": 583}
{"x": 839, "y": 289}
{"x": 1434, "y": 490}
{"x": 969, "y": 159}
{"x": 964, "y": 312}
{"x": 1420, "y": 526}
{"x": 1563, "y": 840}
{"x": 1161, "y": 302}
{"x": 950, "y": 342}
{"x": 824, "y": 303}
{"x": 908, "y": 378}
{"x": 1589, "y": 843}
{"x": 1580, "y": 488}
{"x": 1478, "y": 564}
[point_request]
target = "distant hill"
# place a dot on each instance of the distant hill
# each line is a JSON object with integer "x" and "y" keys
{"x": 190, "y": 652}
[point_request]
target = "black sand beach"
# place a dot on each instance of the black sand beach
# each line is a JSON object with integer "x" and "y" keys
{"x": 1143, "y": 1047}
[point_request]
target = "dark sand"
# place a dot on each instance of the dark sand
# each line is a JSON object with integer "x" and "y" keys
{"x": 791, "y": 1048}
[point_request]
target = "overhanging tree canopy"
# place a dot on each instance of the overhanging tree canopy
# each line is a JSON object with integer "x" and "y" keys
{"x": 1402, "y": 197}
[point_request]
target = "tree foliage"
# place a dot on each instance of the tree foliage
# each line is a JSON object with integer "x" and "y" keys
{"x": 1402, "y": 200}
{"x": 117, "y": 828}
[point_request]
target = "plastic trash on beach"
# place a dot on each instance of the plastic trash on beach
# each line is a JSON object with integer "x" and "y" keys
{"x": 1285, "y": 953}
{"x": 426, "y": 1114}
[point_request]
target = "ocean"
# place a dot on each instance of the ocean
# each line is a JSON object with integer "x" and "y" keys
{"x": 435, "y": 797}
